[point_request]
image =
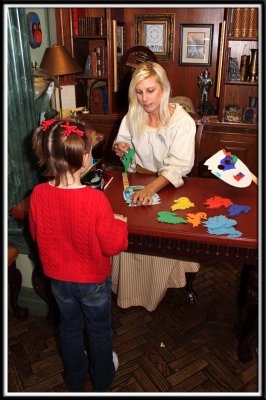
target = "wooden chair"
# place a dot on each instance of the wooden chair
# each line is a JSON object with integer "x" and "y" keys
{"x": 191, "y": 295}
{"x": 15, "y": 281}
{"x": 200, "y": 122}
{"x": 187, "y": 104}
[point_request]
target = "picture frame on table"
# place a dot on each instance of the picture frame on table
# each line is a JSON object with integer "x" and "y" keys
{"x": 196, "y": 44}
{"x": 156, "y": 32}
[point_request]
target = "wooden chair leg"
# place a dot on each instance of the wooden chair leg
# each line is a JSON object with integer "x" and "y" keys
{"x": 15, "y": 281}
{"x": 190, "y": 293}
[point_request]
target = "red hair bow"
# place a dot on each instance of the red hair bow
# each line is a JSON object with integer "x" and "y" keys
{"x": 47, "y": 123}
{"x": 71, "y": 129}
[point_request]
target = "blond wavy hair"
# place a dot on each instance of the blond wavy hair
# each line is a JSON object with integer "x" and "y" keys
{"x": 137, "y": 117}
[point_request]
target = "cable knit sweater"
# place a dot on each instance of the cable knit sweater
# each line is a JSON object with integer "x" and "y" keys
{"x": 76, "y": 232}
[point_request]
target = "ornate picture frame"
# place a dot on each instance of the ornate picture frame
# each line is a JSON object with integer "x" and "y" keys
{"x": 196, "y": 44}
{"x": 156, "y": 31}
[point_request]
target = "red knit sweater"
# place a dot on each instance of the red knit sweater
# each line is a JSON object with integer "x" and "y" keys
{"x": 76, "y": 232}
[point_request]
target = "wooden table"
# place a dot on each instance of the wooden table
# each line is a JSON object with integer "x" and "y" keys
{"x": 183, "y": 241}
{"x": 148, "y": 236}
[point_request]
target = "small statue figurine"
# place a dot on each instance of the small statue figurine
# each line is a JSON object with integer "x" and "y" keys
{"x": 205, "y": 83}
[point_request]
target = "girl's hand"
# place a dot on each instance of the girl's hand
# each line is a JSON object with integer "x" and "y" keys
{"x": 121, "y": 148}
{"x": 142, "y": 197}
{"x": 121, "y": 217}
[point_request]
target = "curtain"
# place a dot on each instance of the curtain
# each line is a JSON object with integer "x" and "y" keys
{"x": 21, "y": 116}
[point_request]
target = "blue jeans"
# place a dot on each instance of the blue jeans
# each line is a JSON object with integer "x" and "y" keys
{"x": 89, "y": 302}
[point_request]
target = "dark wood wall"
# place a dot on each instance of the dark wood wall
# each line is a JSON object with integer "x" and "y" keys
{"x": 183, "y": 79}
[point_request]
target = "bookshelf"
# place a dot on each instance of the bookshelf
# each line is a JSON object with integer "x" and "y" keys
{"x": 88, "y": 33}
{"x": 237, "y": 84}
{"x": 90, "y": 43}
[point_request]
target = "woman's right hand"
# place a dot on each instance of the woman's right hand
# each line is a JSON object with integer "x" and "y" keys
{"x": 121, "y": 148}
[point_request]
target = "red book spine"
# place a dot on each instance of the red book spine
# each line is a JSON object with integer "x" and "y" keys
{"x": 75, "y": 21}
{"x": 94, "y": 63}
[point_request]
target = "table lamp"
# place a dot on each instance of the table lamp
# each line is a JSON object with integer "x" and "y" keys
{"x": 57, "y": 61}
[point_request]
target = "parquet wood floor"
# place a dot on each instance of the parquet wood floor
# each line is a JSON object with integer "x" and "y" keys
{"x": 178, "y": 348}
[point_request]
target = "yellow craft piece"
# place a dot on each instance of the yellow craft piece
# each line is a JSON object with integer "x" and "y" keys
{"x": 195, "y": 219}
{"x": 182, "y": 203}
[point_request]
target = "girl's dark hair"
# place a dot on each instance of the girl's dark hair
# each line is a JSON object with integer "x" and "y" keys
{"x": 61, "y": 148}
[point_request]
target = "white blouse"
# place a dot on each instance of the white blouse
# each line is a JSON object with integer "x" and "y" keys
{"x": 168, "y": 151}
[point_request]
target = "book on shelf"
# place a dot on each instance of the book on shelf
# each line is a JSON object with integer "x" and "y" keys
{"x": 100, "y": 26}
{"x": 105, "y": 100}
{"x": 98, "y": 98}
{"x": 103, "y": 60}
{"x": 244, "y": 23}
{"x": 98, "y": 61}
{"x": 96, "y": 101}
{"x": 231, "y": 21}
{"x": 236, "y": 25}
{"x": 253, "y": 23}
{"x": 75, "y": 21}
{"x": 94, "y": 63}
{"x": 86, "y": 26}
{"x": 87, "y": 69}
{"x": 80, "y": 26}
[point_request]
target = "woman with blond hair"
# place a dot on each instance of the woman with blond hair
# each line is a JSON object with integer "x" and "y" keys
{"x": 163, "y": 136}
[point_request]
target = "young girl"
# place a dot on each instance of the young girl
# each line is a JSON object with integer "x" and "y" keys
{"x": 77, "y": 233}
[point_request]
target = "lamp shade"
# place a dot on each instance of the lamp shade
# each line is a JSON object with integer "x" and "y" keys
{"x": 58, "y": 61}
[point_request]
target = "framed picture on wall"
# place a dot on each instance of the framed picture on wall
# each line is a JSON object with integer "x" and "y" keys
{"x": 196, "y": 44}
{"x": 156, "y": 32}
{"x": 120, "y": 34}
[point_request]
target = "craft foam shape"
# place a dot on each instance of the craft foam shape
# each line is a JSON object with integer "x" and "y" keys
{"x": 170, "y": 218}
{"x": 221, "y": 225}
{"x": 217, "y": 202}
{"x": 229, "y": 169}
{"x": 129, "y": 191}
{"x": 219, "y": 221}
{"x": 231, "y": 232}
{"x": 195, "y": 219}
{"x": 127, "y": 158}
{"x": 236, "y": 209}
{"x": 182, "y": 203}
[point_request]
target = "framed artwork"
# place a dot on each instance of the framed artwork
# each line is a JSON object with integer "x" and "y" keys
{"x": 196, "y": 44}
{"x": 120, "y": 39}
{"x": 156, "y": 32}
{"x": 34, "y": 30}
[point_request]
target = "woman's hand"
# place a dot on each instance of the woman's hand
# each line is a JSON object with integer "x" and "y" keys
{"x": 121, "y": 217}
{"x": 142, "y": 197}
{"x": 121, "y": 148}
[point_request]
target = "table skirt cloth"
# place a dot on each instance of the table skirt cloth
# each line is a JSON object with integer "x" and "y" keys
{"x": 142, "y": 280}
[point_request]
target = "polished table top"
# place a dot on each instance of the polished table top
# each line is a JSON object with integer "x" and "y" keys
{"x": 143, "y": 220}
{"x": 149, "y": 236}
{"x": 143, "y": 224}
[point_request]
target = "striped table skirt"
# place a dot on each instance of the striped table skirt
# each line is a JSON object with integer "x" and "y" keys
{"x": 142, "y": 280}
